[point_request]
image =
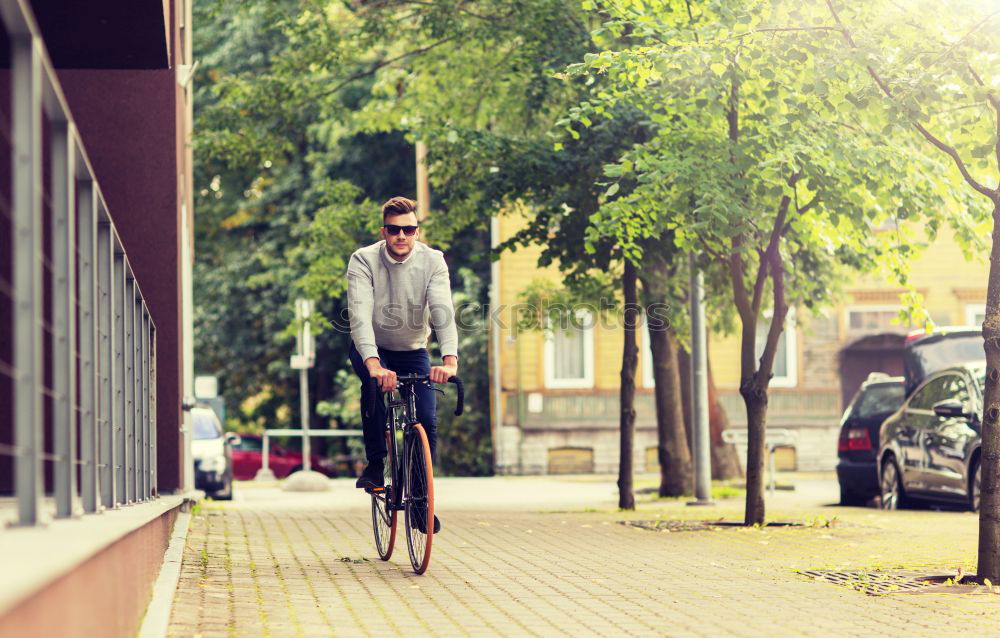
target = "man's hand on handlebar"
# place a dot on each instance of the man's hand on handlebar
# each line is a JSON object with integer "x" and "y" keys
{"x": 441, "y": 374}
{"x": 386, "y": 378}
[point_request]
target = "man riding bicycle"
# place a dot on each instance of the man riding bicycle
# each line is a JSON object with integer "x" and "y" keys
{"x": 397, "y": 290}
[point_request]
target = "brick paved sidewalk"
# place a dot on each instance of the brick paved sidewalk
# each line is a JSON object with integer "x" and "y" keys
{"x": 277, "y": 566}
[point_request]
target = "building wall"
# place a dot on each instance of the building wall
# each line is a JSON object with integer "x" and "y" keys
{"x": 136, "y": 125}
{"x": 947, "y": 281}
{"x": 527, "y": 436}
{"x": 127, "y": 121}
{"x": 115, "y": 70}
{"x": 105, "y": 596}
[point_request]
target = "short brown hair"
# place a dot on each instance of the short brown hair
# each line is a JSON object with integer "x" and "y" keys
{"x": 398, "y": 206}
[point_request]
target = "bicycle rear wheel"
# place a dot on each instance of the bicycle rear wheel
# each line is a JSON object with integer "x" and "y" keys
{"x": 383, "y": 514}
{"x": 419, "y": 503}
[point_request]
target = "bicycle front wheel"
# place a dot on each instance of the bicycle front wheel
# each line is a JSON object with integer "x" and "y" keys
{"x": 419, "y": 503}
{"x": 383, "y": 514}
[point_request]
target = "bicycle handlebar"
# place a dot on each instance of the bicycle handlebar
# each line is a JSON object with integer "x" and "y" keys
{"x": 417, "y": 378}
{"x": 460, "y": 389}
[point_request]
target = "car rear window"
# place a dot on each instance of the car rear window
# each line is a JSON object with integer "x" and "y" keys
{"x": 250, "y": 445}
{"x": 205, "y": 427}
{"x": 879, "y": 399}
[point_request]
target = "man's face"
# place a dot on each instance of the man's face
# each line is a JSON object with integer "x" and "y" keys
{"x": 400, "y": 244}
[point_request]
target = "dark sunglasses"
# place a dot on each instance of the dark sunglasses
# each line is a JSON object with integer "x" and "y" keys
{"x": 393, "y": 229}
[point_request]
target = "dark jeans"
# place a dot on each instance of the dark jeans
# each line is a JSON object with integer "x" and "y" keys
{"x": 373, "y": 410}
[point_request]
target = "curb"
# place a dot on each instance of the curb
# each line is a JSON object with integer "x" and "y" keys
{"x": 157, "y": 619}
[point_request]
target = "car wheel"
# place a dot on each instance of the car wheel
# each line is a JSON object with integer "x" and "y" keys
{"x": 225, "y": 494}
{"x": 891, "y": 485}
{"x": 975, "y": 487}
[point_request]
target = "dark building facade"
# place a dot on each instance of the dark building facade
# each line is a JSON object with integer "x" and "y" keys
{"x": 95, "y": 219}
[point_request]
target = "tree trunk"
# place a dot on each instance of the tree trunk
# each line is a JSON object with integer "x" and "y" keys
{"x": 673, "y": 452}
{"x": 725, "y": 460}
{"x": 755, "y": 399}
{"x": 630, "y": 360}
{"x": 989, "y": 504}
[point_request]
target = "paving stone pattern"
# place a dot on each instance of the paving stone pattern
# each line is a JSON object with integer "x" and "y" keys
{"x": 265, "y": 569}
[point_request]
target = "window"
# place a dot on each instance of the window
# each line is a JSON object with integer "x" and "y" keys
{"x": 936, "y": 390}
{"x": 956, "y": 390}
{"x": 874, "y": 320}
{"x": 571, "y": 460}
{"x": 647, "y": 357}
{"x": 569, "y": 353}
{"x": 975, "y": 314}
{"x": 786, "y": 356}
{"x": 883, "y": 398}
{"x": 250, "y": 444}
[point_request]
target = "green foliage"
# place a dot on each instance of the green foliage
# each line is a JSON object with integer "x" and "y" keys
{"x": 760, "y": 160}
{"x": 283, "y": 197}
{"x": 306, "y": 115}
{"x": 939, "y": 72}
{"x": 751, "y": 140}
{"x": 629, "y": 129}
{"x": 345, "y": 409}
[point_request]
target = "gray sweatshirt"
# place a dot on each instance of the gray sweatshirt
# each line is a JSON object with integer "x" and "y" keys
{"x": 393, "y": 304}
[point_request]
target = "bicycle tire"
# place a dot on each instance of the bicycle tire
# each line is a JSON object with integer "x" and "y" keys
{"x": 419, "y": 504}
{"x": 383, "y": 514}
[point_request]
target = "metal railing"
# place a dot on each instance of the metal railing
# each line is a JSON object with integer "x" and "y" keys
{"x": 773, "y": 439}
{"x": 80, "y": 366}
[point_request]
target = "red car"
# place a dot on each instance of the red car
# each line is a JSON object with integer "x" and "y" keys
{"x": 248, "y": 457}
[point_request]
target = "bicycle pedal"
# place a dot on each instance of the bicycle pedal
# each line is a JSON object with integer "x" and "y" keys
{"x": 374, "y": 490}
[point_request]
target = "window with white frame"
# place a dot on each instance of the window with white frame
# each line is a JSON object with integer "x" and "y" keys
{"x": 786, "y": 357}
{"x": 569, "y": 353}
{"x": 874, "y": 320}
{"x": 647, "y": 357}
{"x": 975, "y": 314}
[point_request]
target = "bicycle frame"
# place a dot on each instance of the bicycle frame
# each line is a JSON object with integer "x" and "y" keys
{"x": 402, "y": 427}
{"x": 401, "y": 410}
{"x": 401, "y": 415}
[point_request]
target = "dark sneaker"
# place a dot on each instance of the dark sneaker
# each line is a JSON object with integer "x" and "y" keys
{"x": 372, "y": 478}
{"x": 423, "y": 528}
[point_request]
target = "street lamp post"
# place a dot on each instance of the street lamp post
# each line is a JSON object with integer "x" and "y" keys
{"x": 304, "y": 358}
{"x": 699, "y": 391}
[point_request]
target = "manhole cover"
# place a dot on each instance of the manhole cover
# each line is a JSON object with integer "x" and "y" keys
{"x": 700, "y": 526}
{"x": 877, "y": 583}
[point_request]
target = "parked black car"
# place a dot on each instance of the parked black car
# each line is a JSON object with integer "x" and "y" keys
{"x": 947, "y": 346}
{"x": 930, "y": 448}
{"x": 857, "y": 472}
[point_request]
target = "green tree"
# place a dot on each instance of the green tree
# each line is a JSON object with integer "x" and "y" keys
{"x": 562, "y": 187}
{"x": 261, "y": 185}
{"x": 294, "y": 93}
{"x": 935, "y": 81}
{"x": 753, "y": 165}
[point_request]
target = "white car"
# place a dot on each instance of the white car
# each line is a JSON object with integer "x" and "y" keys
{"x": 213, "y": 454}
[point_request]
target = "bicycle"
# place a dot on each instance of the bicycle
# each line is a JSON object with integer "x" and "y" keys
{"x": 408, "y": 475}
